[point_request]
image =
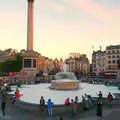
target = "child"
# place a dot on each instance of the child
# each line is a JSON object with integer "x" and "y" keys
{"x": 50, "y": 104}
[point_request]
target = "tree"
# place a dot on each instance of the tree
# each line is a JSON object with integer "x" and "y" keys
{"x": 19, "y": 56}
{"x": 12, "y": 65}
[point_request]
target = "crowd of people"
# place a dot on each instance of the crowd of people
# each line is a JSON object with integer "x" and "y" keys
{"x": 87, "y": 103}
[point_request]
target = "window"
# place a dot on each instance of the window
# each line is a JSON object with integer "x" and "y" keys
{"x": 109, "y": 61}
{"x": 113, "y": 51}
{"x": 113, "y": 61}
{"x": 109, "y": 52}
{"x": 118, "y": 56}
{"x": 34, "y": 63}
{"x": 117, "y": 51}
{"x": 113, "y": 56}
{"x": 118, "y": 61}
{"x": 109, "y": 67}
{"x": 27, "y": 63}
{"x": 109, "y": 56}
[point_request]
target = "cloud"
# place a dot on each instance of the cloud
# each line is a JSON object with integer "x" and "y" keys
{"x": 95, "y": 9}
{"x": 57, "y": 6}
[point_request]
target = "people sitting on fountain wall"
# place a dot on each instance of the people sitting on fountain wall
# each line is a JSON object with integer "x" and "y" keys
{"x": 77, "y": 105}
{"x": 50, "y": 104}
{"x": 76, "y": 99}
{"x": 42, "y": 103}
{"x": 67, "y": 101}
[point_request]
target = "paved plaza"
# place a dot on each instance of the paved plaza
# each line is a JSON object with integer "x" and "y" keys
{"x": 14, "y": 112}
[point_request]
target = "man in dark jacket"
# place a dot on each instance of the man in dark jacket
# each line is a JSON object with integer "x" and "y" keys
{"x": 99, "y": 109}
{"x": 3, "y": 102}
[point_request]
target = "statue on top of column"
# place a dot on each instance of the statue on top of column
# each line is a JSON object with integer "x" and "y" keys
{"x": 30, "y": 0}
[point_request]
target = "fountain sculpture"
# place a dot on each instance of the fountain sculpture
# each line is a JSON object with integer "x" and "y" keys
{"x": 65, "y": 80}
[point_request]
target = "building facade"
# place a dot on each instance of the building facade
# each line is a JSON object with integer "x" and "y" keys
{"x": 98, "y": 62}
{"x": 112, "y": 58}
{"x": 106, "y": 61}
{"x": 78, "y": 63}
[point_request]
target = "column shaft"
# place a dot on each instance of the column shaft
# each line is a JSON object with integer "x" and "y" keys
{"x": 30, "y": 26}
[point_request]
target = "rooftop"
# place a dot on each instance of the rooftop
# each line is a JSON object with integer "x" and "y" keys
{"x": 98, "y": 52}
{"x": 113, "y": 47}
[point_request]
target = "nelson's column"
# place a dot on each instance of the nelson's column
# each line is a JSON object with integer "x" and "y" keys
{"x": 30, "y": 56}
{"x": 30, "y": 25}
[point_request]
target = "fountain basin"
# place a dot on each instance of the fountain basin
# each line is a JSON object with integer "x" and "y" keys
{"x": 58, "y": 96}
{"x": 64, "y": 84}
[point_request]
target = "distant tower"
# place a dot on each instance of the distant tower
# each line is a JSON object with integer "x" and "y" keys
{"x": 30, "y": 25}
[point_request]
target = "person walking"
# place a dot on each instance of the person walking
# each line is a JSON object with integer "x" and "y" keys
{"x": 3, "y": 102}
{"x": 50, "y": 104}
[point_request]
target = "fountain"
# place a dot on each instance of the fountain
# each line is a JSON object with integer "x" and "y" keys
{"x": 61, "y": 88}
{"x": 65, "y": 80}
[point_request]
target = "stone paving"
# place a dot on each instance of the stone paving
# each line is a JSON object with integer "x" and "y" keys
{"x": 15, "y": 113}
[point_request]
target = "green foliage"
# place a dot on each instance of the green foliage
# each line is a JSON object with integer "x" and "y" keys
{"x": 18, "y": 57}
{"x": 11, "y": 66}
{"x": 1, "y": 66}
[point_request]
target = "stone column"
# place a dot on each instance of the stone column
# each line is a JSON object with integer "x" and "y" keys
{"x": 30, "y": 25}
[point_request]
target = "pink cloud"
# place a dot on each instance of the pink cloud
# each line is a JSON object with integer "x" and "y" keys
{"x": 56, "y": 6}
{"x": 95, "y": 9}
{"x": 88, "y": 6}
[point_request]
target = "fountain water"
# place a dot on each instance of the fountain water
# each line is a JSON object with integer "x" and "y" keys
{"x": 65, "y": 80}
{"x": 65, "y": 68}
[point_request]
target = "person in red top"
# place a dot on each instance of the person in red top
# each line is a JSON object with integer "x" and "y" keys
{"x": 17, "y": 93}
{"x": 67, "y": 102}
{"x": 110, "y": 98}
{"x": 0, "y": 82}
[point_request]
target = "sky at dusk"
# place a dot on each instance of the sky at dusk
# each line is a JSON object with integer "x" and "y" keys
{"x": 61, "y": 26}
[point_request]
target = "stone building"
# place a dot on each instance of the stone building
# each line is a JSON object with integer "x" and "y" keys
{"x": 98, "y": 61}
{"x": 79, "y": 63}
{"x": 112, "y": 57}
{"x": 106, "y": 61}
